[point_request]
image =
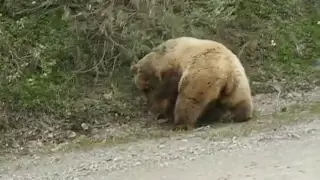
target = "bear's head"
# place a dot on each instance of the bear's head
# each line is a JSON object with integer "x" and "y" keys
{"x": 162, "y": 99}
{"x": 157, "y": 78}
{"x": 145, "y": 73}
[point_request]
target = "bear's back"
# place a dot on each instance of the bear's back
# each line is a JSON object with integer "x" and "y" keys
{"x": 198, "y": 53}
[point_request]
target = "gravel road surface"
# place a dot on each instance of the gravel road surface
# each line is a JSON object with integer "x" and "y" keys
{"x": 289, "y": 153}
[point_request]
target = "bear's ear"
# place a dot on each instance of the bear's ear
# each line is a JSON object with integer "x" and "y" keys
{"x": 134, "y": 69}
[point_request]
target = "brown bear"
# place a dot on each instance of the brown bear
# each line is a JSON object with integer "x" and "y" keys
{"x": 209, "y": 72}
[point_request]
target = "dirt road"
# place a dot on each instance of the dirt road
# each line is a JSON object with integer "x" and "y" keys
{"x": 286, "y": 152}
{"x": 291, "y": 153}
{"x": 286, "y": 159}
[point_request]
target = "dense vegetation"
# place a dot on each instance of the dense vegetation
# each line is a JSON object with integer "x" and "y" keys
{"x": 64, "y": 63}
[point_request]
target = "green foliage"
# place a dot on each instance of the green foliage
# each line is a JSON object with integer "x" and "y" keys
{"x": 36, "y": 51}
{"x": 287, "y": 33}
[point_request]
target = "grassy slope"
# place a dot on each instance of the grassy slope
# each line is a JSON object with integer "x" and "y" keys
{"x": 61, "y": 72}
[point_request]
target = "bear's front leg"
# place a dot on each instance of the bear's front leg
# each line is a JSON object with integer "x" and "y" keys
{"x": 242, "y": 112}
{"x": 186, "y": 113}
{"x": 165, "y": 119}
